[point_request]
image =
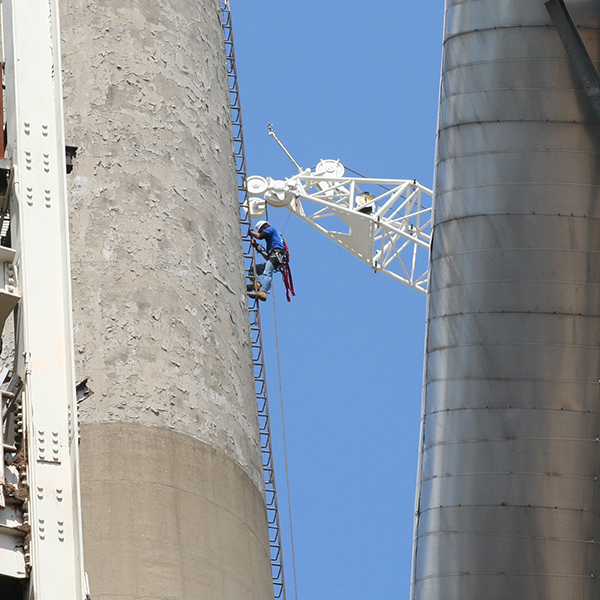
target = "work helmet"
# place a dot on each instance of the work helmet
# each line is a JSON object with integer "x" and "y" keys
{"x": 260, "y": 225}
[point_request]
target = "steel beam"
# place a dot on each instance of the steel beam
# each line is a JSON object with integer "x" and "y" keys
{"x": 44, "y": 339}
{"x": 577, "y": 51}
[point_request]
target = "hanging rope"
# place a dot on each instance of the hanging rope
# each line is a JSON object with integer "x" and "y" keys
{"x": 287, "y": 477}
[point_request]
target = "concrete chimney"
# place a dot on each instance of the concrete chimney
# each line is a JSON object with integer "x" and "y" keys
{"x": 171, "y": 474}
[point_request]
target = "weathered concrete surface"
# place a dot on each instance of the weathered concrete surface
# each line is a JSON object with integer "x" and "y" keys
{"x": 191, "y": 525}
{"x": 159, "y": 302}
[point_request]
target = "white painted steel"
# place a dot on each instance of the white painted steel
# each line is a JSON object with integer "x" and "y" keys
{"x": 12, "y": 558}
{"x": 386, "y": 223}
{"x": 508, "y": 492}
{"x": 9, "y": 285}
{"x": 12, "y": 526}
{"x": 44, "y": 346}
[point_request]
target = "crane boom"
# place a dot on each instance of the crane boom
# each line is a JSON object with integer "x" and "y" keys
{"x": 389, "y": 230}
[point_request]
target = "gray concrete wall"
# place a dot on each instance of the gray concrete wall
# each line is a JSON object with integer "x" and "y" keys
{"x": 171, "y": 467}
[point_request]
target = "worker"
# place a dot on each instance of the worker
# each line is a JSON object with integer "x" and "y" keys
{"x": 274, "y": 254}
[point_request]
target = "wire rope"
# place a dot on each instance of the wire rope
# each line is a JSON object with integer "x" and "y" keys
{"x": 286, "y": 222}
{"x": 285, "y": 456}
{"x": 364, "y": 177}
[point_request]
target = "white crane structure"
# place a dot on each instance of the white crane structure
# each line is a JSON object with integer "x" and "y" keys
{"x": 389, "y": 230}
{"x": 41, "y": 553}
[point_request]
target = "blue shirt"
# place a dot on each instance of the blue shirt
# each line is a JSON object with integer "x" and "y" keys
{"x": 272, "y": 238}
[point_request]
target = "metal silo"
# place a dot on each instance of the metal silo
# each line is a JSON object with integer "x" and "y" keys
{"x": 508, "y": 499}
{"x": 171, "y": 475}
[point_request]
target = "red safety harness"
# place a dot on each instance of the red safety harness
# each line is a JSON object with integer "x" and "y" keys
{"x": 287, "y": 273}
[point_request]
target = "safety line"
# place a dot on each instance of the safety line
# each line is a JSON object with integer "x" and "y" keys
{"x": 285, "y": 455}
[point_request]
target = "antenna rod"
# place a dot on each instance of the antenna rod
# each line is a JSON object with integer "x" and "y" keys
{"x": 272, "y": 134}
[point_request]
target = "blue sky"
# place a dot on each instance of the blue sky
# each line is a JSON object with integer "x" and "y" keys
{"x": 355, "y": 81}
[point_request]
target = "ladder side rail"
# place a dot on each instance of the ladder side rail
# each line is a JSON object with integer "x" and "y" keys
{"x": 276, "y": 554}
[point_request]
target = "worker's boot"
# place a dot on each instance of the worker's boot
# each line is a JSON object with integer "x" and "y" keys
{"x": 253, "y": 286}
{"x": 260, "y": 294}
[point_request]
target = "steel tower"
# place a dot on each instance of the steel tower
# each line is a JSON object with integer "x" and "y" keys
{"x": 508, "y": 492}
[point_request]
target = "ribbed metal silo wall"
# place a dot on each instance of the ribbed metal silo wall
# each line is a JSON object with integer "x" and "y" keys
{"x": 171, "y": 472}
{"x": 508, "y": 499}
